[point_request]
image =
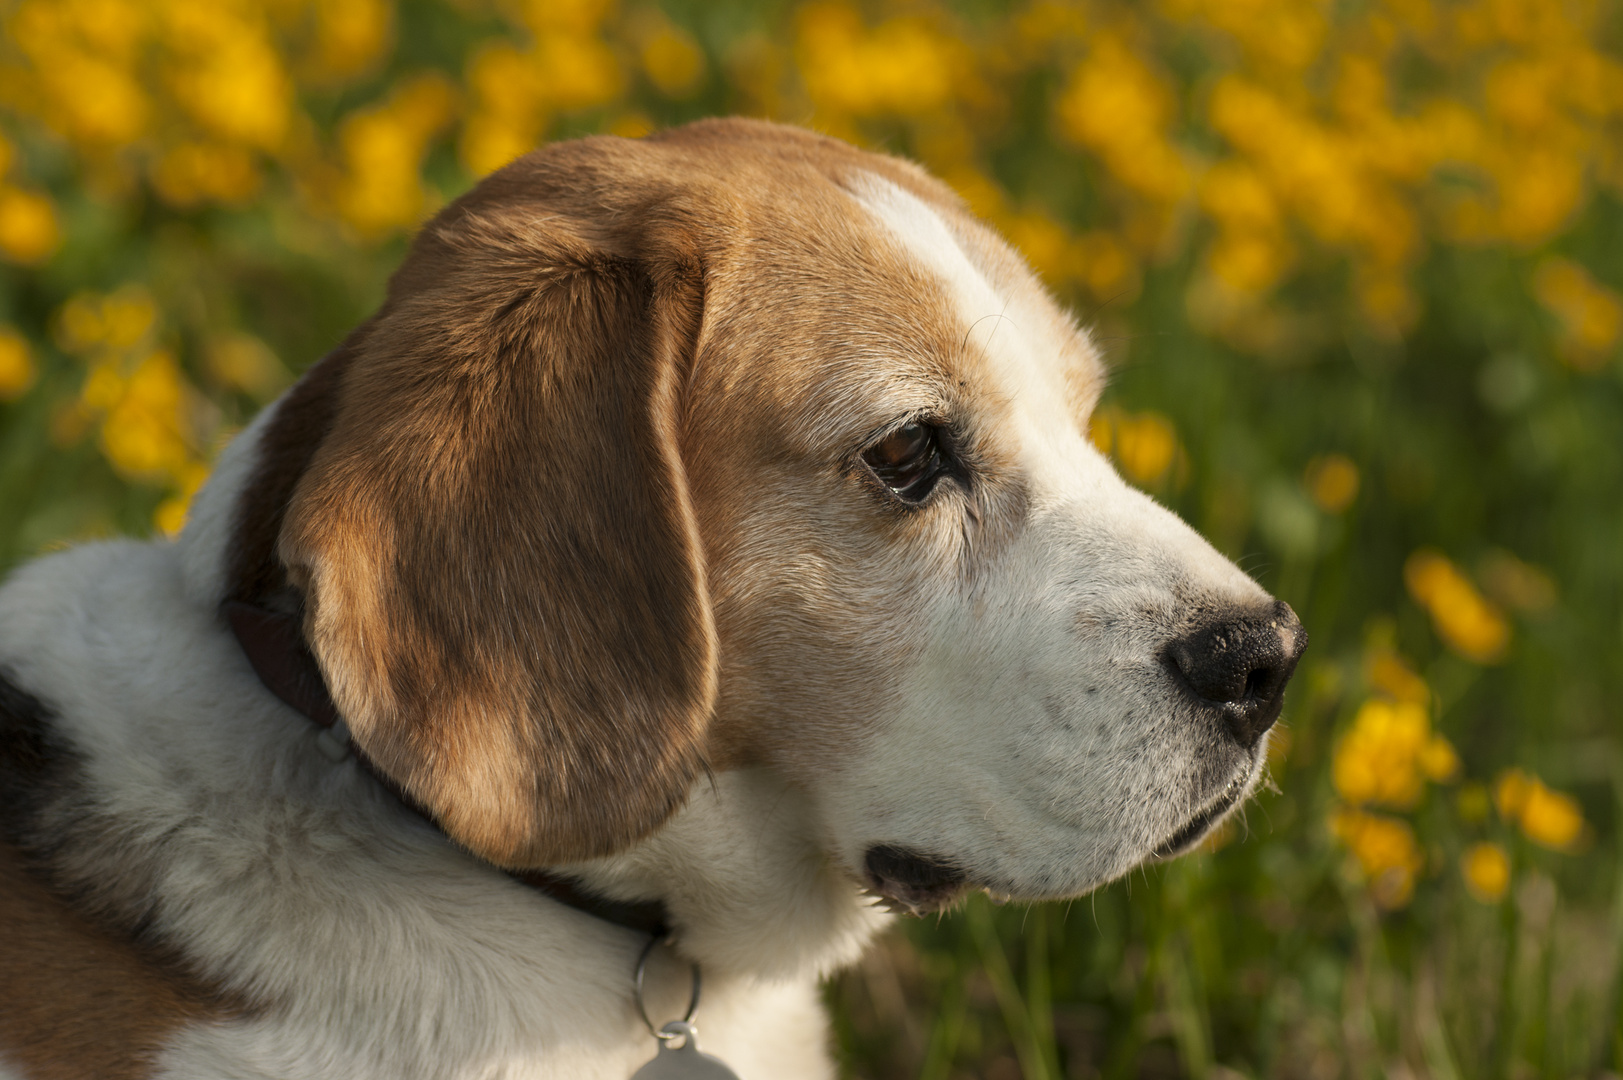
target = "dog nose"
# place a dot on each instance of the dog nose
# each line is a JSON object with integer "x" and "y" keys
{"x": 1242, "y": 664}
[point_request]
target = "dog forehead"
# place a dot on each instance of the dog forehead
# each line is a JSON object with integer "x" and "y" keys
{"x": 889, "y": 300}
{"x": 880, "y": 303}
{"x": 1038, "y": 359}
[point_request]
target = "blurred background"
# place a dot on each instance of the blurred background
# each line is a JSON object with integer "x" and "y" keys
{"x": 1357, "y": 266}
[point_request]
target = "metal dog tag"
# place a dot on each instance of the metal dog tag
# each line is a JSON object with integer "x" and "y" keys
{"x": 685, "y": 1062}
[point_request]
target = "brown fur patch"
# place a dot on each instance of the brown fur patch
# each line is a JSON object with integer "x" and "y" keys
{"x": 76, "y": 1002}
{"x": 504, "y": 585}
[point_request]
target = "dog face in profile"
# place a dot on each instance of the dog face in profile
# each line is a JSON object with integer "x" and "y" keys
{"x": 739, "y": 447}
{"x": 699, "y": 515}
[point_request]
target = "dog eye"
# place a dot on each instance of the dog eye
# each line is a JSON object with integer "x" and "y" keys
{"x": 908, "y": 461}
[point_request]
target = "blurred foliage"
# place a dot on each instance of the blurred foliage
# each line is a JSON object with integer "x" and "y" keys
{"x": 1357, "y": 266}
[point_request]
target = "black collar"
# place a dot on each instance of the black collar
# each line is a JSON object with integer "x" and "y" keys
{"x": 275, "y": 646}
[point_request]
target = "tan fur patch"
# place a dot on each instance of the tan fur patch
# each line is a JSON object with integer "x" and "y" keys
{"x": 76, "y": 1002}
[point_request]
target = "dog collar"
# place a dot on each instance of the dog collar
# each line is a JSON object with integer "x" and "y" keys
{"x": 275, "y": 647}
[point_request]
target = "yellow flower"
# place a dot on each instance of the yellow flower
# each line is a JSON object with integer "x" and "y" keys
{"x": 1145, "y": 443}
{"x": 224, "y": 69}
{"x": 1486, "y": 869}
{"x": 1390, "y": 674}
{"x": 673, "y": 61}
{"x": 118, "y": 320}
{"x": 1380, "y": 759}
{"x": 1120, "y": 108}
{"x": 1332, "y": 481}
{"x": 350, "y": 36}
{"x": 1287, "y": 35}
{"x": 1044, "y": 242}
{"x": 575, "y": 72}
{"x": 515, "y": 92}
{"x": 901, "y": 66}
{"x": 1438, "y": 760}
{"x": 78, "y": 79}
{"x": 383, "y": 150}
{"x": 1250, "y": 262}
{"x": 243, "y": 362}
{"x": 1236, "y": 194}
{"x": 103, "y": 388}
{"x": 510, "y": 115}
{"x": 17, "y": 367}
{"x": 195, "y": 172}
{"x": 145, "y": 433}
{"x": 1552, "y": 819}
{"x": 630, "y": 125}
{"x": 1387, "y": 853}
{"x": 489, "y": 142}
{"x": 573, "y": 16}
{"x": 1105, "y": 264}
{"x": 1547, "y": 817}
{"x": 1466, "y": 621}
{"x": 1522, "y": 93}
{"x": 28, "y": 229}
{"x": 1591, "y": 315}
{"x": 1539, "y": 190}
{"x": 170, "y": 516}
{"x": 127, "y": 315}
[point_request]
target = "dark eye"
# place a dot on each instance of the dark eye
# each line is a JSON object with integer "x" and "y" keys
{"x": 908, "y": 461}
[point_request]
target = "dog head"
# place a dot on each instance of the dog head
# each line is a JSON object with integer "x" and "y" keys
{"x": 736, "y": 446}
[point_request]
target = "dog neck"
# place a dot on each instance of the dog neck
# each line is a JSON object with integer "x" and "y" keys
{"x": 276, "y": 649}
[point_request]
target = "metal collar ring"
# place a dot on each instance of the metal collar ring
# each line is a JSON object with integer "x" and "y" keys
{"x": 642, "y": 1010}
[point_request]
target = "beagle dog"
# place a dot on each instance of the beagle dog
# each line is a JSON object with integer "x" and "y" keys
{"x": 703, "y": 540}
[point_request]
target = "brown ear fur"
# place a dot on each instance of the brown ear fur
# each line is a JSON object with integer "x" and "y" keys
{"x": 502, "y": 578}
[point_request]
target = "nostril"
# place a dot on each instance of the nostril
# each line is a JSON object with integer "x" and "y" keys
{"x": 1242, "y": 663}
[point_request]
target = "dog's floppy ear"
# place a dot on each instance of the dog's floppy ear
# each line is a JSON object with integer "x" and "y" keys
{"x": 502, "y": 577}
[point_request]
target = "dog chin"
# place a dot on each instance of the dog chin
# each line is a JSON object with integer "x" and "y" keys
{"x": 1200, "y": 824}
{"x": 907, "y": 881}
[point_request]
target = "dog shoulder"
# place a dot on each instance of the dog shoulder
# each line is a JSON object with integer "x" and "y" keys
{"x": 77, "y": 1000}
{"x": 79, "y": 996}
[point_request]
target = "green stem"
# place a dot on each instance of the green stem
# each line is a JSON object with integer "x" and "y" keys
{"x": 1039, "y": 986}
{"x": 943, "y": 1048}
{"x": 1016, "y": 1015}
{"x": 1503, "y": 1035}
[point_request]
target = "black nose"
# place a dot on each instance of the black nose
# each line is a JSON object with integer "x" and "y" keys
{"x": 1242, "y": 664}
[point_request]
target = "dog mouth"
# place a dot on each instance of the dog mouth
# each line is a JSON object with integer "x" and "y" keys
{"x": 1192, "y": 830}
{"x": 909, "y": 882}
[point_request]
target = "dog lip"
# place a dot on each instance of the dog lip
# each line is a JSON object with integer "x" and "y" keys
{"x": 912, "y": 882}
{"x": 1196, "y": 827}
